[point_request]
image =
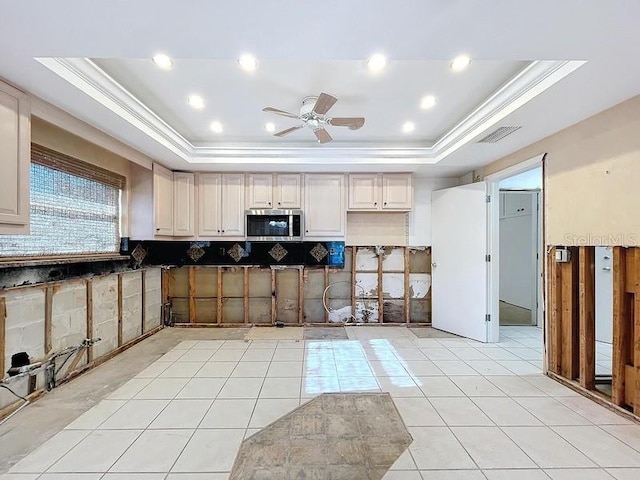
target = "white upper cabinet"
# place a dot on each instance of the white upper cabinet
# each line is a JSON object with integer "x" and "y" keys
{"x": 221, "y": 205}
{"x": 517, "y": 203}
{"x": 363, "y": 192}
{"x": 287, "y": 191}
{"x": 15, "y": 148}
{"x": 267, "y": 191}
{"x": 183, "y": 204}
{"x": 324, "y": 205}
{"x": 162, "y": 200}
{"x": 260, "y": 190}
{"x": 373, "y": 192}
{"x": 397, "y": 191}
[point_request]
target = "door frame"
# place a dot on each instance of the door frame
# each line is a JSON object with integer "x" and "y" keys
{"x": 493, "y": 242}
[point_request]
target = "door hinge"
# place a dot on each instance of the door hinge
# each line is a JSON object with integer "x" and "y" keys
{"x": 487, "y": 258}
{"x": 488, "y": 198}
{"x": 487, "y": 317}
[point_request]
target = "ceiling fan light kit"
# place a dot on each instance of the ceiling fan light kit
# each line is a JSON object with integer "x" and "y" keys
{"x": 313, "y": 114}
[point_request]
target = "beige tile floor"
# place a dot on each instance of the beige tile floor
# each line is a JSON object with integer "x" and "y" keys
{"x": 475, "y": 411}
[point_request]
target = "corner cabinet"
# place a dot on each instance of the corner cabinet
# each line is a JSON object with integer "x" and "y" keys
{"x": 324, "y": 200}
{"x": 220, "y": 205}
{"x": 376, "y": 192}
{"x": 15, "y": 148}
{"x": 267, "y": 191}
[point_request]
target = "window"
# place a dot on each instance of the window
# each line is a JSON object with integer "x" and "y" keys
{"x": 75, "y": 209}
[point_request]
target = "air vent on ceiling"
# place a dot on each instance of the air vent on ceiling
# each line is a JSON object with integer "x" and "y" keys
{"x": 498, "y": 134}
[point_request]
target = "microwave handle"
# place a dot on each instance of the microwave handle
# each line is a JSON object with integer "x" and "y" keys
{"x": 291, "y": 225}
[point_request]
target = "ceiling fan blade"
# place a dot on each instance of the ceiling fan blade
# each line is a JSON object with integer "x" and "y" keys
{"x": 279, "y": 112}
{"x": 322, "y": 135}
{"x": 324, "y": 103}
{"x": 354, "y": 123}
{"x": 288, "y": 131}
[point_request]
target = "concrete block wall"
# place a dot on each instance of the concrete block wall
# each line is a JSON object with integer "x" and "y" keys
{"x": 26, "y": 318}
{"x": 131, "y": 305}
{"x": 105, "y": 314}
{"x": 152, "y": 298}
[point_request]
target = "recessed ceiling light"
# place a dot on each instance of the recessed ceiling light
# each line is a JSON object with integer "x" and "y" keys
{"x": 427, "y": 102}
{"x": 248, "y": 62}
{"x": 408, "y": 127}
{"x": 460, "y": 63}
{"x": 163, "y": 61}
{"x": 216, "y": 127}
{"x": 270, "y": 127}
{"x": 196, "y": 101}
{"x": 376, "y": 63}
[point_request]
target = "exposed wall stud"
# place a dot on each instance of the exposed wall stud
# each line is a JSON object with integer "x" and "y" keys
{"x": 3, "y": 321}
{"x": 555, "y": 313}
{"x": 48, "y": 312}
{"x": 354, "y": 296}
{"x": 143, "y": 299}
{"x": 621, "y": 326}
{"x": 274, "y": 314}
{"x": 380, "y": 290}
{"x": 120, "y": 309}
{"x": 570, "y": 338}
{"x": 300, "y": 295}
{"x": 587, "y": 306}
{"x": 246, "y": 294}
{"x": 407, "y": 288}
{"x": 90, "y": 334}
{"x": 192, "y": 294}
{"x": 326, "y": 284}
{"x": 220, "y": 297}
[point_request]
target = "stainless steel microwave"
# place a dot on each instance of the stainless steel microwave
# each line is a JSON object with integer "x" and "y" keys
{"x": 273, "y": 225}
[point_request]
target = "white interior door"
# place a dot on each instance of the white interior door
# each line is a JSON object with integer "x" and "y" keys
{"x": 458, "y": 253}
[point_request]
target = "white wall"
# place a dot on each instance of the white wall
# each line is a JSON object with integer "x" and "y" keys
{"x": 420, "y": 216}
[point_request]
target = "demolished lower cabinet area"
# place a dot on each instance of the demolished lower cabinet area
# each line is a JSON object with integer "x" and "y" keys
{"x": 15, "y": 140}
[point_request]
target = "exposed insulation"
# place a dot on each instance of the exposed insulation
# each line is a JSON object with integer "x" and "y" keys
{"x": 152, "y": 298}
{"x": 131, "y": 306}
{"x": 105, "y": 314}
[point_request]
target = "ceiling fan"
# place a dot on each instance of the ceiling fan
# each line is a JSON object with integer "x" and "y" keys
{"x": 313, "y": 114}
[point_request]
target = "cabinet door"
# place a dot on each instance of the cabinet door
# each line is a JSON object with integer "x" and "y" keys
{"x": 288, "y": 191}
{"x": 15, "y": 141}
{"x": 324, "y": 205}
{"x": 183, "y": 204}
{"x": 232, "y": 212}
{"x": 363, "y": 192}
{"x": 162, "y": 200}
{"x": 260, "y": 190}
{"x": 209, "y": 193}
{"x": 518, "y": 203}
{"x": 397, "y": 192}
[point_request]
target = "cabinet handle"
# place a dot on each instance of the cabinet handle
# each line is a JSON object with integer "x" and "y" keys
{"x": 385, "y": 203}
{"x": 269, "y": 203}
{"x": 222, "y": 231}
{"x": 306, "y": 231}
{"x": 218, "y": 231}
{"x": 279, "y": 203}
{"x": 157, "y": 229}
{"x": 375, "y": 203}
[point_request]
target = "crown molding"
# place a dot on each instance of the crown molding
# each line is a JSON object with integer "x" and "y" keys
{"x": 534, "y": 79}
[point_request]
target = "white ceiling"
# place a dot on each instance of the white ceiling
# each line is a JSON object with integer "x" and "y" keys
{"x": 305, "y": 48}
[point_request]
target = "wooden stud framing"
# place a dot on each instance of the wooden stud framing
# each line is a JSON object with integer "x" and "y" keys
{"x": 274, "y": 313}
{"x": 166, "y": 285}
{"x": 326, "y": 284}
{"x": 354, "y": 296}
{"x": 143, "y": 299}
{"x": 220, "y": 298}
{"x": 587, "y": 306}
{"x": 192, "y": 294}
{"x": 570, "y": 338}
{"x": 300, "y": 296}
{"x": 555, "y": 313}
{"x": 48, "y": 312}
{"x": 89, "y": 285}
{"x": 120, "y": 309}
{"x": 246, "y": 294}
{"x": 621, "y": 329}
{"x": 3, "y": 326}
{"x": 380, "y": 290}
{"x": 407, "y": 288}
{"x": 633, "y": 292}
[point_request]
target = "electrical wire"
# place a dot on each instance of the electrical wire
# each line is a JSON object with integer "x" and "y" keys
{"x": 324, "y": 299}
{"x": 10, "y": 390}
